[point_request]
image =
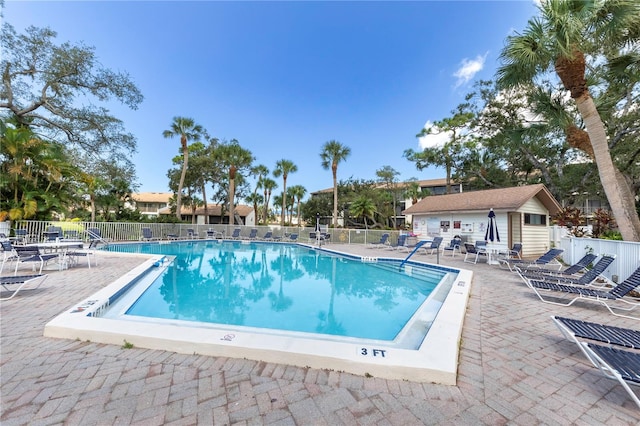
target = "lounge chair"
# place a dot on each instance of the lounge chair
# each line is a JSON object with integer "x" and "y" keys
{"x": 253, "y": 234}
{"x": 268, "y": 236}
{"x": 474, "y": 252}
{"x": 549, "y": 258}
{"x": 384, "y": 241}
{"x": 604, "y": 297}
{"x": 454, "y": 245}
{"x": 434, "y": 246}
{"x": 623, "y": 366}
{"x": 236, "y": 234}
{"x": 577, "y": 267}
{"x": 574, "y": 329}
{"x": 585, "y": 279}
{"x": 293, "y": 237}
{"x": 20, "y": 281}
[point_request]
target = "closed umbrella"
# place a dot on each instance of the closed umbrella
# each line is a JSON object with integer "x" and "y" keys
{"x": 317, "y": 230}
{"x": 492, "y": 228}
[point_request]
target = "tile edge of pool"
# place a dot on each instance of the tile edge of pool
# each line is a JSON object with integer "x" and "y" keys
{"x": 421, "y": 365}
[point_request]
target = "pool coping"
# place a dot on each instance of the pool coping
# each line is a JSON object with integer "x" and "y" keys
{"x": 421, "y": 365}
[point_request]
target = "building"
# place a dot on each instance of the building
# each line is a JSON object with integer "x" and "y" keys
{"x": 244, "y": 215}
{"x": 150, "y": 203}
{"x": 522, "y": 215}
{"x": 427, "y": 187}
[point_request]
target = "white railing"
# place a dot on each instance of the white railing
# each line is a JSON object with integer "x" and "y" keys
{"x": 127, "y": 231}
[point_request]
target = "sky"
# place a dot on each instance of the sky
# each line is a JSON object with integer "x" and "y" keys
{"x": 283, "y": 78}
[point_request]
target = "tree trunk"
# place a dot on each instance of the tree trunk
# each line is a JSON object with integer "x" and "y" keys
{"x": 284, "y": 200}
{"x": 334, "y": 169}
{"x": 93, "y": 207}
{"x": 619, "y": 194}
{"x": 206, "y": 210}
{"x": 185, "y": 155}
{"x": 232, "y": 192}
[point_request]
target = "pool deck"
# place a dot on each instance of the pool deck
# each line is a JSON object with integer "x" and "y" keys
{"x": 515, "y": 368}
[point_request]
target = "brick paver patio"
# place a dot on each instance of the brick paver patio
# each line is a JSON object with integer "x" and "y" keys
{"x": 515, "y": 368}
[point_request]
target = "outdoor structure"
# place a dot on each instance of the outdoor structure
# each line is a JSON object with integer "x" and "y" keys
{"x": 427, "y": 186}
{"x": 244, "y": 214}
{"x": 150, "y": 203}
{"x": 522, "y": 215}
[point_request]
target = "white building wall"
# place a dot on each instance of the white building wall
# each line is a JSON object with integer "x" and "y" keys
{"x": 535, "y": 238}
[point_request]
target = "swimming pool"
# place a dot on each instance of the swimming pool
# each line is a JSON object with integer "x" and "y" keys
{"x": 311, "y": 291}
{"x": 280, "y": 287}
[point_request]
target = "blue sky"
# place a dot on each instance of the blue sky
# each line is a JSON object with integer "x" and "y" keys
{"x": 285, "y": 77}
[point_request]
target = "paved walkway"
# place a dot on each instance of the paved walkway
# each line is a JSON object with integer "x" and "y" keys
{"x": 515, "y": 368}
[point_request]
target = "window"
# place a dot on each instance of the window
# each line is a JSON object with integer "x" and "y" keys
{"x": 535, "y": 219}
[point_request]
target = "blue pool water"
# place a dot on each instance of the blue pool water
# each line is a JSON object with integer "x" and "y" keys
{"x": 282, "y": 287}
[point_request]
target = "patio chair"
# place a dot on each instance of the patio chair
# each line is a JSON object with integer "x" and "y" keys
{"x": 212, "y": 233}
{"x": 236, "y": 234}
{"x": 585, "y": 279}
{"x": 474, "y": 252}
{"x": 315, "y": 237}
{"x": 52, "y": 233}
{"x": 384, "y": 241}
{"x": 434, "y": 246}
{"x": 515, "y": 252}
{"x": 293, "y": 237}
{"x": 8, "y": 253}
{"x": 147, "y": 234}
{"x": 71, "y": 235}
{"x": 253, "y": 234}
{"x": 402, "y": 240}
{"x": 20, "y": 281}
{"x": 454, "y": 245}
{"x": 577, "y": 267}
{"x": 192, "y": 234}
{"x": 21, "y": 236}
{"x": 32, "y": 254}
{"x": 549, "y": 258}
{"x": 623, "y": 366}
{"x": 604, "y": 297}
{"x": 87, "y": 253}
{"x": 95, "y": 237}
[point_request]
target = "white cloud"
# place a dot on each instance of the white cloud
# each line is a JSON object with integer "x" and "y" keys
{"x": 469, "y": 68}
{"x": 435, "y": 140}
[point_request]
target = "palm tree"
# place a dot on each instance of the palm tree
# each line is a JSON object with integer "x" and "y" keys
{"x": 268, "y": 185}
{"x": 562, "y": 38}
{"x": 260, "y": 171}
{"x": 187, "y": 130}
{"x": 363, "y": 207}
{"x": 283, "y": 168}
{"x": 333, "y": 152}
{"x": 413, "y": 191}
{"x": 237, "y": 159}
{"x": 298, "y": 192}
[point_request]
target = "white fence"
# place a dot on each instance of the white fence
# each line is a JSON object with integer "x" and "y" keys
{"x": 627, "y": 254}
{"x": 121, "y": 231}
